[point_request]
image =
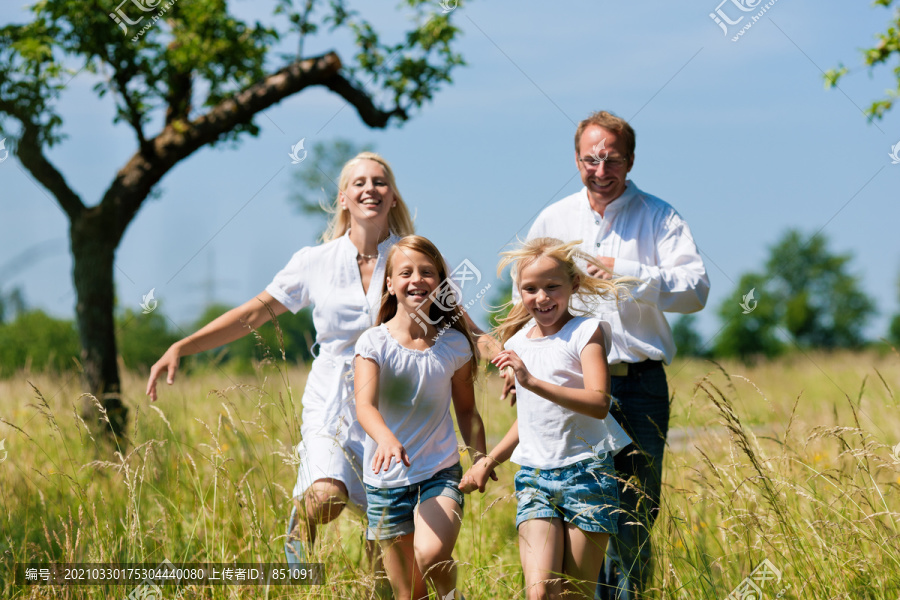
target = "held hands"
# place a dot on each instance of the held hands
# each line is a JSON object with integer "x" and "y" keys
{"x": 509, "y": 386}
{"x": 509, "y": 358}
{"x": 477, "y": 476}
{"x": 168, "y": 363}
{"x": 386, "y": 452}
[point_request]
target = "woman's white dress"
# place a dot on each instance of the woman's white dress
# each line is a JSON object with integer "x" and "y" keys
{"x": 327, "y": 277}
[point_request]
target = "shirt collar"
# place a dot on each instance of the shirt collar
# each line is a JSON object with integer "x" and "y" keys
{"x": 631, "y": 190}
{"x": 387, "y": 242}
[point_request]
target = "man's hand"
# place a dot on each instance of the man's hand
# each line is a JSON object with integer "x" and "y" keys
{"x": 609, "y": 264}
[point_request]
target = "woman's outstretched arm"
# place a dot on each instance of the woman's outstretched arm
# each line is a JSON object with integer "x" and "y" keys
{"x": 233, "y": 325}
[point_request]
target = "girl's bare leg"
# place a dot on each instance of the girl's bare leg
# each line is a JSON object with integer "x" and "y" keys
{"x": 438, "y": 521}
{"x": 541, "y": 548}
{"x": 582, "y": 560}
{"x": 402, "y": 571}
{"x": 323, "y": 502}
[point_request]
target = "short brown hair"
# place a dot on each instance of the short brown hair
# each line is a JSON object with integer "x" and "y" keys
{"x": 609, "y": 121}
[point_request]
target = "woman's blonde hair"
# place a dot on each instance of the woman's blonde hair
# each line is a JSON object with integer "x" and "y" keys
{"x": 399, "y": 220}
{"x": 590, "y": 289}
{"x": 453, "y": 317}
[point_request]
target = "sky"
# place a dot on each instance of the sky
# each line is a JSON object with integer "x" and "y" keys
{"x": 741, "y": 137}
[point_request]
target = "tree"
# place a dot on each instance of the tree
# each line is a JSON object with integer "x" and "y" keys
{"x": 894, "y": 331}
{"x": 894, "y": 328}
{"x": 806, "y": 294}
{"x": 202, "y": 74}
{"x": 750, "y": 323}
{"x": 888, "y": 45}
{"x": 688, "y": 341}
{"x": 821, "y": 304}
{"x": 37, "y": 342}
{"x": 317, "y": 187}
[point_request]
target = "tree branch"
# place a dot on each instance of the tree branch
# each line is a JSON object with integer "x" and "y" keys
{"x": 32, "y": 157}
{"x": 178, "y": 140}
{"x": 371, "y": 115}
{"x": 134, "y": 115}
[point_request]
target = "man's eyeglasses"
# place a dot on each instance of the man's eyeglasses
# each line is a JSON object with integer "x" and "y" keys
{"x": 611, "y": 162}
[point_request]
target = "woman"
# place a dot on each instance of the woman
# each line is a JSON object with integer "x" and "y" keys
{"x": 342, "y": 278}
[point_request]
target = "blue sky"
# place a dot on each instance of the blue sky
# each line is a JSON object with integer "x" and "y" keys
{"x": 741, "y": 137}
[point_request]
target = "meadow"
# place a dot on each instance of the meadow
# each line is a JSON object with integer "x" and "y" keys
{"x": 794, "y": 461}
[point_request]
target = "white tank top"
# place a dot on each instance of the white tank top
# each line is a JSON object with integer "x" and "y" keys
{"x": 551, "y": 436}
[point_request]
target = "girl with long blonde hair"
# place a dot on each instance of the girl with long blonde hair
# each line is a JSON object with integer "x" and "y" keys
{"x": 563, "y": 438}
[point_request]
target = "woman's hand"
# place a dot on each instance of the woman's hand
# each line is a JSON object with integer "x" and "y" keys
{"x": 386, "y": 452}
{"x": 169, "y": 364}
{"x": 509, "y": 358}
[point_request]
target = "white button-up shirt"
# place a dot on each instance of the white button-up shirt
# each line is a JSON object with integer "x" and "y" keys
{"x": 650, "y": 241}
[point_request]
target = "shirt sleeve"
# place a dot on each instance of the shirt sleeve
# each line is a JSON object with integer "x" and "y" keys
{"x": 291, "y": 284}
{"x": 367, "y": 345}
{"x": 462, "y": 353}
{"x": 586, "y": 331}
{"x": 678, "y": 282}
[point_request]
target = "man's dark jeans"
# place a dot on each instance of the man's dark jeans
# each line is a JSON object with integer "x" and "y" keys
{"x": 641, "y": 406}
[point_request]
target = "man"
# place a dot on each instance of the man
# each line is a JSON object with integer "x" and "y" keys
{"x": 637, "y": 235}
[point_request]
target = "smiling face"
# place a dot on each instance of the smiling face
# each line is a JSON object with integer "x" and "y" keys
{"x": 412, "y": 278}
{"x": 368, "y": 195}
{"x": 604, "y": 180}
{"x": 545, "y": 287}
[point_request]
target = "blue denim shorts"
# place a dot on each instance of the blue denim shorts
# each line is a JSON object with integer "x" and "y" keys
{"x": 585, "y": 494}
{"x": 391, "y": 510}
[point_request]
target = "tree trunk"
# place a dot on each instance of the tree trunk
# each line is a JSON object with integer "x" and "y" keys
{"x": 94, "y": 242}
{"x": 95, "y": 232}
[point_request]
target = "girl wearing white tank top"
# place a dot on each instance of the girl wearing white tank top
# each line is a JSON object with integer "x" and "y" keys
{"x": 563, "y": 438}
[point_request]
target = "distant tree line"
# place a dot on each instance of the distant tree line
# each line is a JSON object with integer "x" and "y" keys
{"x": 804, "y": 297}
{"x": 31, "y": 339}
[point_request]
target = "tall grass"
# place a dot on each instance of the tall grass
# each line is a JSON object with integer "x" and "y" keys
{"x": 790, "y": 461}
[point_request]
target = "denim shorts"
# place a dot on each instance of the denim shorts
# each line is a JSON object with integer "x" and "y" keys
{"x": 585, "y": 494}
{"x": 391, "y": 510}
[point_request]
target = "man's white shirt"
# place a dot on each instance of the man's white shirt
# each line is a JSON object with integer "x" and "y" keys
{"x": 649, "y": 241}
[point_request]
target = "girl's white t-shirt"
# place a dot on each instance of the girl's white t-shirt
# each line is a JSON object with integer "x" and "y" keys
{"x": 414, "y": 400}
{"x": 551, "y": 436}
